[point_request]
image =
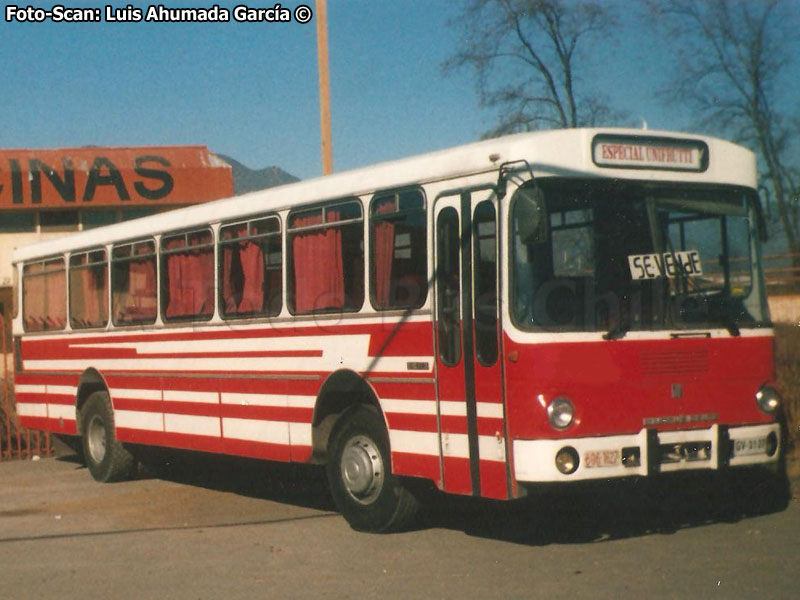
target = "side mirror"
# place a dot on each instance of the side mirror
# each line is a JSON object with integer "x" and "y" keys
{"x": 531, "y": 215}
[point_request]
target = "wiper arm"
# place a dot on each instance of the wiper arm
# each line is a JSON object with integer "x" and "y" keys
{"x": 731, "y": 326}
{"x": 617, "y": 332}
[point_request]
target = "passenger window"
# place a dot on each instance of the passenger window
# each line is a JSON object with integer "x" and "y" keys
{"x": 250, "y": 268}
{"x": 326, "y": 265}
{"x": 44, "y": 295}
{"x": 133, "y": 283}
{"x": 484, "y": 261}
{"x": 88, "y": 289}
{"x": 398, "y": 252}
{"x": 187, "y": 275}
{"x": 448, "y": 285}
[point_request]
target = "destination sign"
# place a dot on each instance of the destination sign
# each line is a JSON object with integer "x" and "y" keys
{"x": 649, "y": 153}
{"x": 669, "y": 264}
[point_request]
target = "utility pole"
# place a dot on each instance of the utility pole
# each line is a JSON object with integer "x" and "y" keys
{"x": 324, "y": 87}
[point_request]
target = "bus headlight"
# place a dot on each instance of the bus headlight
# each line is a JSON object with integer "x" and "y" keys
{"x": 560, "y": 413}
{"x": 768, "y": 399}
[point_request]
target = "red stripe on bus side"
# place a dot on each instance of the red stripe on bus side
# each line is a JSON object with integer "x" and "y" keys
{"x": 70, "y": 379}
{"x": 457, "y": 476}
{"x": 416, "y": 465}
{"x": 42, "y": 423}
{"x": 454, "y": 423}
{"x": 490, "y": 426}
{"x": 31, "y": 397}
{"x": 150, "y": 406}
{"x": 257, "y": 449}
{"x": 405, "y": 390}
{"x": 493, "y": 479}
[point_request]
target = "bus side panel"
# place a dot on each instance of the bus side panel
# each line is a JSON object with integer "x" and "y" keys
{"x": 46, "y": 402}
{"x": 250, "y": 392}
{"x": 410, "y": 411}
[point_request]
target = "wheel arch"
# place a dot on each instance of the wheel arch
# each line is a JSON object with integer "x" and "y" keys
{"x": 91, "y": 381}
{"x": 341, "y": 391}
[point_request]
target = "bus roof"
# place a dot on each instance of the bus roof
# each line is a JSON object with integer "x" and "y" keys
{"x": 560, "y": 152}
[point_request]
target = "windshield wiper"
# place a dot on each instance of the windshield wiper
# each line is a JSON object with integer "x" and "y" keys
{"x": 731, "y": 326}
{"x": 725, "y": 319}
{"x": 617, "y": 332}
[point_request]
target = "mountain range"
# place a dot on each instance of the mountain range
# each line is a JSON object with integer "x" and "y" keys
{"x": 246, "y": 179}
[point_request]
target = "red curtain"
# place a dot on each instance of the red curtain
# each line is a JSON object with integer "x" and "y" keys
{"x": 203, "y": 282}
{"x": 318, "y": 272}
{"x": 228, "y": 252}
{"x": 247, "y": 284}
{"x": 33, "y": 300}
{"x": 228, "y": 300}
{"x": 88, "y": 300}
{"x": 175, "y": 303}
{"x": 383, "y": 238}
{"x": 56, "y": 299}
{"x": 44, "y": 296}
{"x": 141, "y": 288}
{"x": 252, "y": 258}
{"x": 191, "y": 281}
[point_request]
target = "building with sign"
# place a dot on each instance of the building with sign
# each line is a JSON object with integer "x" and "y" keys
{"x": 47, "y": 193}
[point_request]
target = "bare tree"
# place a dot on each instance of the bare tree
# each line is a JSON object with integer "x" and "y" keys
{"x": 734, "y": 68}
{"x": 526, "y": 55}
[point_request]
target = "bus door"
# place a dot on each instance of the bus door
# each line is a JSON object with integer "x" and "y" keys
{"x": 469, "y": 374}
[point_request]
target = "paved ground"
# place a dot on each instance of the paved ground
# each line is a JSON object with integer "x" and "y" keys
{"x": 240, "y": 529}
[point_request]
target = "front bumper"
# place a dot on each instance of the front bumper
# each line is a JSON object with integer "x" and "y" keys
{"x": 649, "y": 452}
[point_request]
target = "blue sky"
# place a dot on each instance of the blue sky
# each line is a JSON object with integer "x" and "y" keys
{"x": 250, "y": 90}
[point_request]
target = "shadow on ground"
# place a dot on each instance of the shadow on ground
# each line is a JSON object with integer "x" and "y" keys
{"x": 574, "y": 514}
{"x": 613, "y": 510}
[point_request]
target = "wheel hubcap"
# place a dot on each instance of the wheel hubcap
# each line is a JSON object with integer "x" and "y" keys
{"x": 362, "y": 469}
{"x": 96, "y": 439}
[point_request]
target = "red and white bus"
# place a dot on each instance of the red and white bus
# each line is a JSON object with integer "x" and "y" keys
{"x": 546, "y": 307}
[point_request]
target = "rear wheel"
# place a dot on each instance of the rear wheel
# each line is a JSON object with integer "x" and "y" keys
{"x": 362, "y": 484}
{"x": 106, "y": 458}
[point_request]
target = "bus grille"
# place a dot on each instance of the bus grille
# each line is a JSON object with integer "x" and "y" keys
{"x": 673, "y": 361}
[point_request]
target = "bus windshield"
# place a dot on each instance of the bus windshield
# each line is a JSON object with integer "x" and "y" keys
{"x": 592, "y": 255}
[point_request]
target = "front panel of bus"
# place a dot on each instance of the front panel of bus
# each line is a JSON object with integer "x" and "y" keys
{"x": 636, "y": 331}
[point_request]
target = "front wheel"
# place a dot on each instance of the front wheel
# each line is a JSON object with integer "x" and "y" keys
{"x": 106, "y": 458}
{"x": 363, "y": 487}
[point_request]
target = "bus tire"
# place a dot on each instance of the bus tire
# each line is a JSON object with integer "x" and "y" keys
{"x": 106, "y": 458}
{"x": 369, "y": 496}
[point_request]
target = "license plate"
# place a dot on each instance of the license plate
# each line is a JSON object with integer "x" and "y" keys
{"x": 747, "y": 446}
{"x": 593, "y": 459}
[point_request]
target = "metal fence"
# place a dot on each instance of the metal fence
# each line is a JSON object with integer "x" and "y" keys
{"x": 782, "y": 272}
{"x": 15, "y": 442}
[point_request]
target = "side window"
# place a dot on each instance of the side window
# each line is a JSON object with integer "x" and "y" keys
{"x": 250, "y": 268}
{"x": 398, "y": 250}
{"x": 187, "y": 275}
{"x": 88, "y": 289}
{"x": 326, "y": 265}
{"x": 484, "y": 263}
{"x": 44, "y": 295}
{"x": 448, "y": 284}
{"x": 133, "y": 283}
